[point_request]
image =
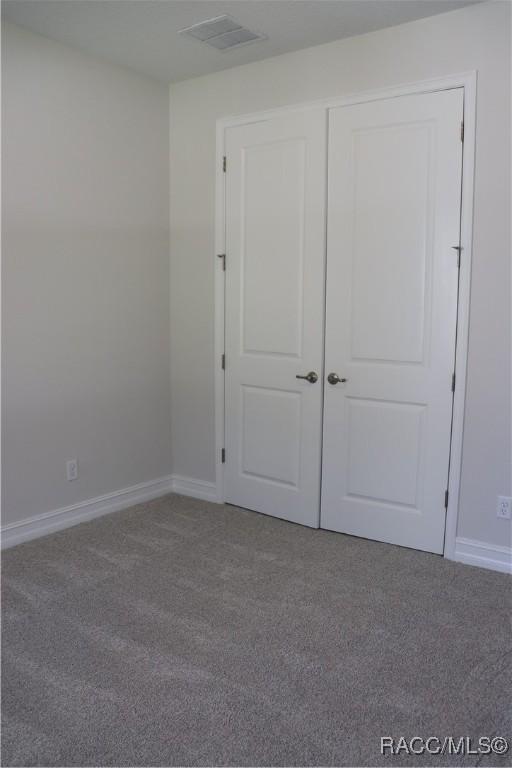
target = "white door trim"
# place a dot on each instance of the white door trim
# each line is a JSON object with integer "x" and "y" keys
{"x": 465, "y": 80}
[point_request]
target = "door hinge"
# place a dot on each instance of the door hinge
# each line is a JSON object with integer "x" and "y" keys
{"x": 223, "y": 257}
{"x": 453, "y": 382}
{"x": 223, "y": 455}
{"x": 224, "y": 163}
{"x": 457, "y": 248}
{"x": 446, "y": 499}
{"x": 223, "y": 362}
{"x": 462, "y": 131}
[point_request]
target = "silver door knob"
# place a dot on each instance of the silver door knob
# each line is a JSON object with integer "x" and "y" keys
{"x": 312, "y": 377}
{"x": 333, "y": 378}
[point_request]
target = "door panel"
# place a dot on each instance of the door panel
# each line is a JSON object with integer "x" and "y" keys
{"x": 273, "y": 208}
{"x": 275, "y": 254}
{"x": 271, "y": 411}
{"x": 386, "y": 437}
{"x": 388, "y": 314}
{"x": 393, "y": 218}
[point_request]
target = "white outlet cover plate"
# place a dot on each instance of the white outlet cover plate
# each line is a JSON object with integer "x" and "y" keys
{"x": 504, "y": 508}
{"x": 72, "y": 469}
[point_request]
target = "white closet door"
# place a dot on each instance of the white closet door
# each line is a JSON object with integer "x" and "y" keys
{"x": 393, "y": 221}
{"x": 275, "y": 255}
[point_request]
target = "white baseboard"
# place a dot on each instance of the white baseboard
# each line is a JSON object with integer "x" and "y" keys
{"x": 496, "y": 558}
{"x": 58, "y": 519}
{"x": 199, "y": 489}
{"x": 490, "y": 556}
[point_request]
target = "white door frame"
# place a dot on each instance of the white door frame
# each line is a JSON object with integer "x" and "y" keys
{"x": 465, "y": 80}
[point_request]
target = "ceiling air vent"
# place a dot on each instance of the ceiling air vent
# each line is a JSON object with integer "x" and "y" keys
{"x": 222, "y": 32}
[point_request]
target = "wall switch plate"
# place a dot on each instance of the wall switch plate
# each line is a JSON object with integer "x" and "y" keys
{"x": 72, "y": 469}
{"x": 504, "y": 508}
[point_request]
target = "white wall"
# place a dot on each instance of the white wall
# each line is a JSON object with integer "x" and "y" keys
{"x": 85, "y": 276}
{"x": 476, "y": 37}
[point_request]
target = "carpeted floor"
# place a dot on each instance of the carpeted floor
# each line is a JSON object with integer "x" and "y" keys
{"x": 185, "y": 633}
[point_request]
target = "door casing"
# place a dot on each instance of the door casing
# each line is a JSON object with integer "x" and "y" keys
{"x": 468, "y": 82}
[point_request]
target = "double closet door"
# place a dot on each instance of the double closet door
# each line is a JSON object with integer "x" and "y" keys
{"x": 341, "y": 308}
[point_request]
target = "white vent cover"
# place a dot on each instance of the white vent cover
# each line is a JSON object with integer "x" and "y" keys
{"x": 222, "y": 32}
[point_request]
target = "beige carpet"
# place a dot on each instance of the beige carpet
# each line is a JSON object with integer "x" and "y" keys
{"x": 185, "y": 633}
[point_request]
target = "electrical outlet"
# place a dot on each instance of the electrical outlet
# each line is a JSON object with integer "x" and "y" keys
{"x": 504, "y": 508}
{"x": 72, "y": 469}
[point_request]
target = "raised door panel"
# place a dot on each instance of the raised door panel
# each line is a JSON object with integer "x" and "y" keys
{"x": 386, "y": 437}
{"x": 272, "y": 247}
{"x": 271, "y": 411}
{"x": 392, "y": 241}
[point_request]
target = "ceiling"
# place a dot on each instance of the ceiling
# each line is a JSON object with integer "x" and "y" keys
{"x": 143, "y": 34}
